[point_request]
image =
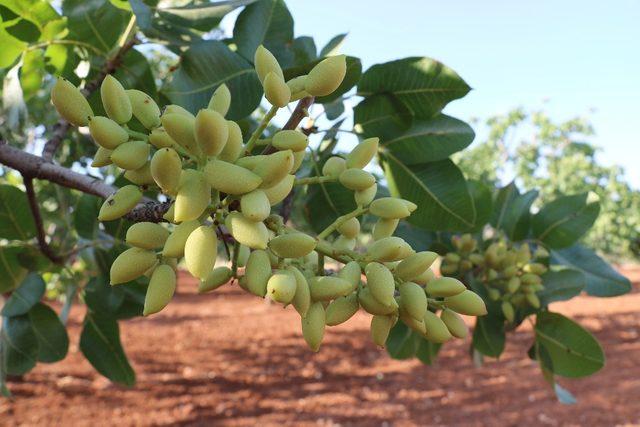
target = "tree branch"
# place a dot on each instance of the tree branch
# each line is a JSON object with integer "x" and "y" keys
{"x": 35, "y": 167}
{"x": 37, "y": 218}
{"x": 61, "y": 128}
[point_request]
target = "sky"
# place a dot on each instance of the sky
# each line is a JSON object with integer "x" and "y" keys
{"x": 570, "y": 57}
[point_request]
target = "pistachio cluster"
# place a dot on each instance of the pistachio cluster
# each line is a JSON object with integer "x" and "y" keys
{"x": 222, "y": 189}
{"x": 511, "y": 272}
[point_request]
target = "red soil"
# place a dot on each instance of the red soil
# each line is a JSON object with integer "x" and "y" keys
{"x": 231, "y": 359}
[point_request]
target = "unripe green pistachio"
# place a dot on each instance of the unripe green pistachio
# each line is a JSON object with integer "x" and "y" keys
{"x": 70, "y": 103}
{"x": 292, "y": 245}
{"x": 445, "y": 287}
{"x": 166, "y": 168}
{"x": 350, "y": 228}
{"x": 326, "y": 288}
{"x": 351, "y": 272}
{"x": 389, "y": 208}
{"x": 160, "y": 290}
{"x": 216, "y": 278}
{"x": 302, "y": 298}
{"x": 466, "y": 302}
{"x": 201, "y": 251}
{"x": 181, "y": 128}
{"x": 380, "y": 328}
{"x": 384, "y": 228}
{"x": 533, "y": 300}
{"x": 389, "y": 249}
{"x": 265, "y": 63}
{"x": 281, "y": 287}
{"x": 414, "y": 265}
{"x": 257, "y": 272}
{"x": 290, "y": 140}
{"x": 234, "y": 146}
{"x": 454, "y": 322}
{"x": 413, "y": 299}
{"x": 278, "y": 192}
{"x": 372, "y": 306}
{"x": 274, "y": 168}
{"x": 366, "y": 196}
{"x": 435, "y": 329}
{"x": 357, "y": 179}
{"x": 363, "y": 153}
{"x": 334, "y": 166}
{"x": 220, "y": 100}
{"x": 107, "y": 133}
{"x": 130, "y": 155}
{"x": 313, "y": 326}
{"x": 229, "y": 178}
{"x": 120, "y": 203}
{"x": 343, "y": 243}
{"x": 342, "y": 309}
{"x": 147, "y": 235}
{"x": 159, "y": 138}
{"x": 513, "y": 284}
{"x": 115, "y": 100}
{"x": 326, "y": 76}
{"x": 249, "y": 233}
{"x": 276, "y": 90}
{"x": 424, "y": 278}
{"x": 174, "y": 246}
{"x": 255, "y": 205}
{"x": 211, "y": 132}
{"x": 101, "y": 158}
{"x": 144, "y": 108}
{"x": 298, "y": 159}
{"x": 176, "y": 109}
{"x": 140, "y": 176}
{"x": 380, "y": 282}
{"x": 131, "y": 264}
{"x": 535, "y": 268}
{"x": 508, "y": 311}
{"x": 193, "y": 197}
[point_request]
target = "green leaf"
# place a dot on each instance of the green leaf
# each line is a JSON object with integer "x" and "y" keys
{"x": 488, "y": 335}
{"x": 203, "y": 16}
{"x": 51, "y": 334}
{"x": 16, "y": 221}
{"x": 162, "y": 29}
{"x": 95, "y": 22}
{"x": 32, "y": 72}
{"x": 427, "y": 351}
{"x": 573, "y": 351}
{"x": 85, "y": 216}
{"x": 438, "y": 188}
{"x": 419, "y": 239}
{"x": 26, "y": 296}
{"x": 402, "y": 342}
{"x": 511, "y": 211}
{"x": 601, "y": 279}
{"x": 325, "y": 202}
{"x": 381, "y": 115}
{"x": 563, "y": 221}
{"x": 19, "y": 345}
{"x": 204, "y": 67}
{"x": 11, "y": 271}
{"x": 268, "y": 23}
{"x": 334, "y": 109}
{"x": 102, "y": 297}
{"x": 304, "y": 50}
{"x": 482, "y": 201}
{"x": 100, "y": 344}
{"x": 39, "y": 13}
{"x": 561, "y": 285}
{"x": 430, "y": 140}
{"x": 333, "y": 46}
{"x": 424, "y": 85}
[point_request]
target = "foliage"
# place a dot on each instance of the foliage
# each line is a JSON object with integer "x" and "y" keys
{"x": 181, "y": 56}
{"x": 557, "y": 158}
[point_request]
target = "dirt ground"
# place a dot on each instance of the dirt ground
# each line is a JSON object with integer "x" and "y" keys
{"x": 227, "y": 358}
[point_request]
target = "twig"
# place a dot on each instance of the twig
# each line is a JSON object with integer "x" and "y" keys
{"x": 37, "y": 218}
{"x": 61, "y": 128}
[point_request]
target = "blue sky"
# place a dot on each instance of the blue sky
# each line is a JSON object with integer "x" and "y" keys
{"x": 581, "y": 56}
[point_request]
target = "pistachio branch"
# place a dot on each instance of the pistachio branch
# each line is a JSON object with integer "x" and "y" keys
{"x": 341, "y": 220}
{"x": 37, "y": 219}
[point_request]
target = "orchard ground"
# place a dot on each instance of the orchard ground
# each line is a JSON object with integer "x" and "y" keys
{"x": 227, "y": 358}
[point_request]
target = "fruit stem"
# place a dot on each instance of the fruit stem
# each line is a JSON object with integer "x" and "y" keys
{"x": 138, "y": 135}
{"x": 341, "y": 220}
{"x": 258, "y": 132}
{"x": 314, "y": 180}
